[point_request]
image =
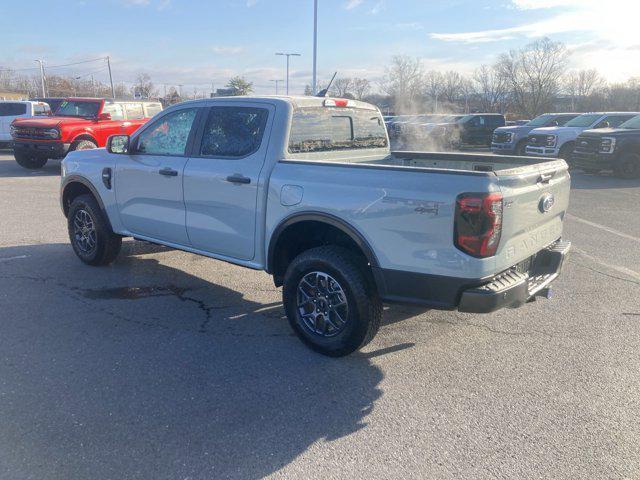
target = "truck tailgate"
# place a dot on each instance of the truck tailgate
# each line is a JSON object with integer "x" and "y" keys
{"x": 536, "y": 198}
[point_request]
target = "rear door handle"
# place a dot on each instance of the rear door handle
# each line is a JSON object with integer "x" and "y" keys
{"x": 238, "y": 179}
{"x": 169, "y": 172}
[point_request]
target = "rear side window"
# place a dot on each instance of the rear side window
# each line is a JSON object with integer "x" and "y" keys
{"x": 12, "y": 109}
{"x": 151, "y": 109}
{"x": 167, "y": 135}
{"x": 322, "y": 129}
{"x": 134, "y": 111}
{"x": 233, "y": 131}
{"x": 115, "y": 110}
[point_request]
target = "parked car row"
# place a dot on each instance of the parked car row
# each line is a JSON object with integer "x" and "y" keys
{"x": 590, "y": 141}
{"x": 443, "y": 131}
{"x": 41, "y": 133}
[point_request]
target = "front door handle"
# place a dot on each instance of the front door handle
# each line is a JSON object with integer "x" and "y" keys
{"x": 238, "y": 179}
{"x": 169, "y": 172}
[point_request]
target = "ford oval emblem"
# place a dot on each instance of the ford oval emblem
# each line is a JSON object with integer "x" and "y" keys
{"x": 547, "y": 202}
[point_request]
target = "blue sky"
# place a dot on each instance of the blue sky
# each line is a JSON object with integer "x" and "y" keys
{"x": 197, "y": 43}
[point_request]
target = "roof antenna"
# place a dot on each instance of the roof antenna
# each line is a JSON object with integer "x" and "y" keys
{"x": 325, "y": 91}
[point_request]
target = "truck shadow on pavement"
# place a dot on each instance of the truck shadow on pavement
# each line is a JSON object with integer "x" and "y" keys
{"x": 141, "y": 370}
{"x": 9, "y": 168}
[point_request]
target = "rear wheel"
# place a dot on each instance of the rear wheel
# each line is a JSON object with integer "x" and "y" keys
{"x": 31, "y": 163}
{"x": 331, "y": 302}
{"x": 91, "y": 237}
{"x": 628, "y": 166}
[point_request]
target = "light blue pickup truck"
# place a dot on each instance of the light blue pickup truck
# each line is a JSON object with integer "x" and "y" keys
{"x": 307, "y": 189}
{"x": 513, "y": 140}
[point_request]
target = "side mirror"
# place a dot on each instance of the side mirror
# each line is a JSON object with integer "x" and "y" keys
{"x": 118, "y": 144}
{"x": 104, "y": 116}
{"x": 555, "y": 124}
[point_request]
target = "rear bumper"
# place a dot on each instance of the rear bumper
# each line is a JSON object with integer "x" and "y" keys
{"x": 41, "y": 149}
{"x": 508, "y": 289}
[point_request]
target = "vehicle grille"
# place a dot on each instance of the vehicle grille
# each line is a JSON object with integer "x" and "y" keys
{"x": 537, "y": 140}
{"x": 30, "y": 133}
{"x": 501, "y": 137}
{"x": 587, "y": 145}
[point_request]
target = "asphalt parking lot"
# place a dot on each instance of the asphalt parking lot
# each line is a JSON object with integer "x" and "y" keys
{"x": 166, "y": 365}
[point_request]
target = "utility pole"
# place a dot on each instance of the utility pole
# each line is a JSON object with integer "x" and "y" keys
{"x": 276, "y": 82}
{"x": 44, "y": 91}
{"x": 314, "y": 81}
{"x": 180, "y": 85}
{"x": 93, "y": 86}
{"x": 288, "y": 55}
{"x": 113, "y": 90}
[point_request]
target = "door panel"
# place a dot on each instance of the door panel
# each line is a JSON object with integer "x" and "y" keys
{"x": 148, "y": 182}
{"x": 221, "y": 179}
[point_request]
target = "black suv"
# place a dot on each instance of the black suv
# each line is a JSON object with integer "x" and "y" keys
{"x": 474, "y": 129}
{"x": 616, "y": 149}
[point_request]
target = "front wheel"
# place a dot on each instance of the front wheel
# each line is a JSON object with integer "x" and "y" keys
{"x": 91, "y": 237}
{"x": 521, "y": 148}
{"x": 30, "y": 163}
{"x": 80, "y": 145}
{"x": 628, "y": 166}
{"x": 330, "y": 301}
{"x": 566, "y": 151}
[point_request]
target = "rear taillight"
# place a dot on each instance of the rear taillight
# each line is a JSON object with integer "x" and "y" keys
{"x": 478, "y": 223}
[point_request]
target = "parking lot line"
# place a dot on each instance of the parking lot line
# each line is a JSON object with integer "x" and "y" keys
{"x": 623, "y": 270}
{"x": 603, "y": 227}
{"x": 7, "y": 259}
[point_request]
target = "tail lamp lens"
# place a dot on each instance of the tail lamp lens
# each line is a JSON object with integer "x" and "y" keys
{"x": 478, "y": 223}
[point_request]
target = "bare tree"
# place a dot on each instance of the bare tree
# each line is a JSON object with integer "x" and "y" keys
{"x": 342, "y": 86}
{"x": 361, "y": 87}
{"x": 492, "y": 89}
{"x": 403, "y": 81}
{"x": 144, "y": 87}
{"x": 534, "y": 74}
{"x": 583, "y": 86}
{"x": 433, "y": 87}
{"x": 452, "y": 83}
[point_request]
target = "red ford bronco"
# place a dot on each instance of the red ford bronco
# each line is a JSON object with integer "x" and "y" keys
{"x": 77, "y": 124}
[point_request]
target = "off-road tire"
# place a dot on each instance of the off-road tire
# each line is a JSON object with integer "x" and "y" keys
{"x": 364, "y": 304}
{"x": 107, "y": 243}
{"x": 82, "y": 145}
{"x": 30, "y": 163}
{"x": 628, "y": 166}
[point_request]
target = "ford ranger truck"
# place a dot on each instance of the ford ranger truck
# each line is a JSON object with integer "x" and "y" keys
{"x": 77, "y": 124}
{"x": 512, "y": 140}
{"x": 616, "y": 149}
{"x": 307, "y": 189}
{"x": 559, "y": 142}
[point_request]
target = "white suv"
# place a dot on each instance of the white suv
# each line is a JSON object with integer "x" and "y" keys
{"x": 560, "y": 141}
{"x": 10, "y": 110}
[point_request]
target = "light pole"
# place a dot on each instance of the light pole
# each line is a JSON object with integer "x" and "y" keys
{"x": 113, "y": 91}
{"x": 41, "y": 62}
{"x": 288, "y": 55}
{"x": 276, "y": 82}
{"x": 314, "y": 81}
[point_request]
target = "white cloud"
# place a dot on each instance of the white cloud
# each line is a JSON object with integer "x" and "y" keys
{"x": 251, "y": 3}
{"x": 351, "y": 4}
{"x": 611, "y": 31}
{"x": 227, "y": 50}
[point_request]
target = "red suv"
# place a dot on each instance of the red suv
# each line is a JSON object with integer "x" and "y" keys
{"x": 77, "y": 124}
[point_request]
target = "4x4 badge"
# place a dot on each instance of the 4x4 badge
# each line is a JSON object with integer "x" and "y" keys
{"x": 547, "y": 201}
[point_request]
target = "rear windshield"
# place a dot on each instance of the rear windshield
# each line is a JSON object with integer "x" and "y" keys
{"x": 71, "y": 108}
{"x": 12, "y": 109}
{"x": 632, "y": 124}
{"x": 322, "y": 129}
{"x": 583, "y": 120}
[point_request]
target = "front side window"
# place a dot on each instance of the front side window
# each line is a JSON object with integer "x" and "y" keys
{"x": 41, "y": 110}
{"x": 134, "y": 111}
{"x": 614, "y": 121}
{"x": 632, "y": 124}
{"x": 321, "y": 129}
{"x": 70, "y": 108}
{"x": 233, "y": 131}
{"x": 12, "y": 109}
{"x": 115, "y": 110}
{"x": 168, "y": 135}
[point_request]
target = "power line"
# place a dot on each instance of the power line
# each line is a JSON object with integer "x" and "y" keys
{"x": 52, "y": 66}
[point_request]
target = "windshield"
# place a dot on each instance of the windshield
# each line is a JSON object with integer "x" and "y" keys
{"x": 633, "y": 124}
{"x": 72, "y": 108}
{"x": 540, "y": 121}
{"x": 583, "y": 120}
